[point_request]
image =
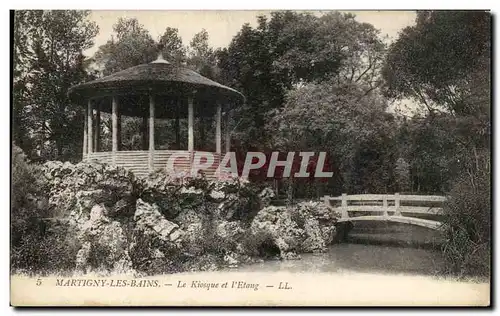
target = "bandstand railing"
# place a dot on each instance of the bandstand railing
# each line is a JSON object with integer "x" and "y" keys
{"x": 137, "y": 161}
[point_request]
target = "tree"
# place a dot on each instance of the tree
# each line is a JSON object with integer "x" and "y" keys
{"x": 173, "y": 50}
{"x": 20, "y": 72}
{"x": 353, "y": 128}
{"x": 443, "y": 62}
{"x": 133, "y": 46}
{"x": 202, "y": 59}
{"x": 48, "y": 60}
{"x": 402, "y": 175}
{"x": 337, "y": 108}
{"x": 292, "y": 49}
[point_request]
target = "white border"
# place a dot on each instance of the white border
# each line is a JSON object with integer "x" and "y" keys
{"x": 256, "y": 5}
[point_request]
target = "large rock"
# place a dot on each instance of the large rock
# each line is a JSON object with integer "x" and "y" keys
{"x": 163, "y": 224}
{"x": 242, "y": 199}
{"x": 234, "y": 253}
{"x": 230, "y": 199}
{"x": 149, "y": 221}
{"x": 283, "y": 231}
{"x": 305, "y": 227}
{"x": 157, "y": 242}
{"x": 97, "y": 199}
{"x": 104, "y": 244}
{"x": 75, "y": 188}
{"x": 318, "y": 222}
{"x": 172, "y": 194}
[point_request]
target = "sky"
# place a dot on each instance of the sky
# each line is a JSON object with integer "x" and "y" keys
{"x": 223, "y": 25}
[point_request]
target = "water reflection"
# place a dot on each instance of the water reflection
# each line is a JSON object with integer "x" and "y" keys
{"x": 361, "y": 258}
{"x": 383, "y": 248}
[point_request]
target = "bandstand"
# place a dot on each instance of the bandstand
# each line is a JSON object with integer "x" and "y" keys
{"x": 158, "y": 90}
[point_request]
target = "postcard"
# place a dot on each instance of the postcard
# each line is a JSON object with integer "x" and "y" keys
{"x": 251, "y": 158}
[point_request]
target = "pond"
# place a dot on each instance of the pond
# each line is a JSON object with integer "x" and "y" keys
{"x": 359, "y": 258}
{"x": 390, "y": 248}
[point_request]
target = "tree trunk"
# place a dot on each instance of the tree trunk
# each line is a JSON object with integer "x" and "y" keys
{"x": 59, "y": 149}
{"x": 289, "y": 191}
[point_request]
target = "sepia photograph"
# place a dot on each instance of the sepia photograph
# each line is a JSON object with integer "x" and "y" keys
{"x": 250, "y": 158}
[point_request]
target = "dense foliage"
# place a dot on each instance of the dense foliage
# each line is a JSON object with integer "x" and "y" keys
{"x": 48, "y": 60}
{"x": 37, "y": 244}
{"x": 468, "y": 225}
{"x": 313, "y": 82}
{"x": 443, "y": 62}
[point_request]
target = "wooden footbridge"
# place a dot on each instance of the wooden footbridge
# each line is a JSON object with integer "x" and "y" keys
{"x": 420, "y": 210}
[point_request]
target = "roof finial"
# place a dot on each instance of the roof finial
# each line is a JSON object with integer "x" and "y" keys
{"x": 159, "y": 48}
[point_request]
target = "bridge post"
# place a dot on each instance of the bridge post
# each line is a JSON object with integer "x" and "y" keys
{"x": 396, "y": 204}
{"x": 385, "y": 205}
{"x": 344, "y": 206}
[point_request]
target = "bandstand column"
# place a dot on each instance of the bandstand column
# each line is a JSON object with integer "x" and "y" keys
{"x": 218, "y": 119}
{"x": 119, "y": 136}
{"x": 89, "y": 127}
{"x": 177, "y": 125}
{"x": 85, "y": 140}
{"x": 227, "y": 132}
{"x": 97, "y": 127}
{"x": 114, "y": 119}
{"x": 151, "y": 132}
{"x": 190, "y": 125}
{"x": 144, "y": 132}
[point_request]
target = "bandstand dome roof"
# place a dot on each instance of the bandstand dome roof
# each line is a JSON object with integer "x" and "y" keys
{"x": 168, "y": 83}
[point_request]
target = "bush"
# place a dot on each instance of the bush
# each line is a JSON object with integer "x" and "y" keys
{"x": 49, "y": 249}
{"x": 260, "y": 245}
{"x": 24, "y": 192}
{"x": 26, "y": 197}
{"x": 467, "y": 225}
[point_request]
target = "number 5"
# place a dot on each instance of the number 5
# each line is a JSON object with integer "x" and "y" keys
{"x": 39, "y": 282}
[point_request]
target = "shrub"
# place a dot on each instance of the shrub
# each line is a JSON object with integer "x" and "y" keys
{"x": 37, "y": 245}
{"x": 46, "y": 248}
{"x": 26, "y": 199}
{"x": 467, "y": 225}
{"x": 23, "y": 200}
{"x": 260, "y": 245}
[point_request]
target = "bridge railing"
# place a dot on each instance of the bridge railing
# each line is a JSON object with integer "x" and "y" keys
{"x": 386, "y": 203}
